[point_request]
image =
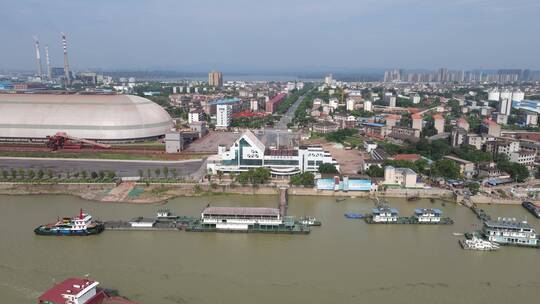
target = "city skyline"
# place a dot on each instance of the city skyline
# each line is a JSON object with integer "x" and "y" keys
{"x": 309, "y": 36}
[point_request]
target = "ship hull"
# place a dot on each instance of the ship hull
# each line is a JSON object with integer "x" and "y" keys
{"x": 43, "y": 230}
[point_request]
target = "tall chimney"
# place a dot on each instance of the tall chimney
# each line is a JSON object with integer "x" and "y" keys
{"x": 66, "y": 62}
{"x": 48, "y": 63}
{"x": 38, "y": 58}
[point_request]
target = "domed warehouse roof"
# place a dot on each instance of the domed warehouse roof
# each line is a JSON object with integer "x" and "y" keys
{"x": 100, "y": 117}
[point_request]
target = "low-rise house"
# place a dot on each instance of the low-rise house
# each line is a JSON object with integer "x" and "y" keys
{"x": 466, "y": 168}
{"x": 403, "y": 177}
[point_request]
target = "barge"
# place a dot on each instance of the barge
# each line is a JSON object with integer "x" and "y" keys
{"x": 387, "y": 215}
{"x": 80, "y": 225}
{"x": 532, "y": 208}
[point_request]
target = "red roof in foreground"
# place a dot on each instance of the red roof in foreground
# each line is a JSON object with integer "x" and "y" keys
{"x": 409, "y": 157}
{"x": 74, "y": 286}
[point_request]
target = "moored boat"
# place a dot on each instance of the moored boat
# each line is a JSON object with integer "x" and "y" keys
{"x": 83, "y": 224}
{"x": 355, "y": 215}
{"x": 476, "y": 243}
{"x": 532, "y": 208}
{"x": 309, "y": 221}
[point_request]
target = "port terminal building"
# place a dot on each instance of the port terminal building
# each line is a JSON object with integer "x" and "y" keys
{"x": 248, "y": 152}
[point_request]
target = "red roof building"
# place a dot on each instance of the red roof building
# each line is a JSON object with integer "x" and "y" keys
{"x": 80, "y": 291}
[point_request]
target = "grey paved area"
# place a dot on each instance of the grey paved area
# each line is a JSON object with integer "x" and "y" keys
{"x": 124, "y": 168}
{"x": 211, "y": 141}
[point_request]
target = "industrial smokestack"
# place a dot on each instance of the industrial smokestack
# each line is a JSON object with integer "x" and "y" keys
{"x": 66, "y": 62}
{"x": 38, "y": 58}
{"x": 48, "y": 62}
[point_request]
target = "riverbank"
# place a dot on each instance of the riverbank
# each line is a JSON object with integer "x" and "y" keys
{"x": 148, "y": 193}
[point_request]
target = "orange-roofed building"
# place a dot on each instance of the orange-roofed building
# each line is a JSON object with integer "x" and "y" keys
{"x": 463, "y": 123}
{"x": 392, "y": 119}
{"x": 438, "y": 123}
{"x": 417, "y": 121}
{"x": 408, "y": 157}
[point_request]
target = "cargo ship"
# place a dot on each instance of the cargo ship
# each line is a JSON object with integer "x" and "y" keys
{"x": 83, "y": 224}
{"x": 532, "y": 208}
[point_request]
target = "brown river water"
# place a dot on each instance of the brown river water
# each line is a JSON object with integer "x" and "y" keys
{"x": 344, "y": 261}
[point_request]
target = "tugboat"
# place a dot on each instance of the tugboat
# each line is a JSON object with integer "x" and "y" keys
{"x": 83, "y": 224}
{"x": 476, "y": 243}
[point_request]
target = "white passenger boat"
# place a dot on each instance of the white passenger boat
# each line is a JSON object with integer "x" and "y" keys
{"x": 476, "y": 243}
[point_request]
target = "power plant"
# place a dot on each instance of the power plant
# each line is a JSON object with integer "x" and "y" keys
{"x": 49, "y": 73}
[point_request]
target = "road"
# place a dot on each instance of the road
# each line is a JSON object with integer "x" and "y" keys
{"x": 289, "y": 115}
{"x": 186, "y": 168}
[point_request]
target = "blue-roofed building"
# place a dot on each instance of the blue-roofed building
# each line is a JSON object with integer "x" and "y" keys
{"x": 225, "y": 101}
{"x": 384, "y": 215}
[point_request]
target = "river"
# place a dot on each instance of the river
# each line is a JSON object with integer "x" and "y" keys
{"x": 344, "y": 261}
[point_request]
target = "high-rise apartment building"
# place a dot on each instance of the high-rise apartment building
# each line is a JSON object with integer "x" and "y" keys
{"x": 215, "y": 79}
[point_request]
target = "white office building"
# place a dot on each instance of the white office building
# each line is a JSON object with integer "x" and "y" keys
{"x": 249, "y": 152}
{"x": 224, "y": 116}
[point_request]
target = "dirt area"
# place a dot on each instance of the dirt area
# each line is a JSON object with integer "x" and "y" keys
{"x": 348, "y": 160}
{"x": 210, "y": 142}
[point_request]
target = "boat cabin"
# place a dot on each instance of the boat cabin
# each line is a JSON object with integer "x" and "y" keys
{"x": 384, "y": 215}
{"x": 511, "y": 232}
{"x": 236, "y": 218}
{"x": 427, "y": 215}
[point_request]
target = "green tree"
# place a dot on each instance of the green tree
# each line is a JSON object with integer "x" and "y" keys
{"x": 445, "y": 168}
{"x": 375, "y": 171}
{"x": 518, "y": 172}
{"x": 94, "y": 175}
{"x": 84, "y": 174}
{"x": 40, "y": 173}
{"x": 101, "y": 174}
{"x": 22, "y": 173}
{"x": 166, "y": 171}
{"x": 13, "y": 173}
{"x": 157, "y": 171}
{"x": 141, "y": 173}
{"x": 174, "y": 173}
{"x": 327, "y": 168}
{"x": 305, "y": 179}
{"x": 5, "y": 174}
{"x": 111, "y": 174}
{"x": 148, "y": 173}
{"x": 474, "y": 188}
{"x": 31, "y": 174}
{"x": 50, "y": 173}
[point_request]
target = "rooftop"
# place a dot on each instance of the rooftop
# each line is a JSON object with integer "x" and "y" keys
{"x": 70, "y": 286}
{"x": 248, "y": 211}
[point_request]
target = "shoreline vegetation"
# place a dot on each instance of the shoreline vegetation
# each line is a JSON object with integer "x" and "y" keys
{"x": 158, "y": 192}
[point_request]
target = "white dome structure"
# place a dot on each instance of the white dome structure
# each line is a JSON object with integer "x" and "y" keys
{"x": 99, "y": 117}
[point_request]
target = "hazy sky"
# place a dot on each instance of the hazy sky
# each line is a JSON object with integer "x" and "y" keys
{"x": 292, "y": 35}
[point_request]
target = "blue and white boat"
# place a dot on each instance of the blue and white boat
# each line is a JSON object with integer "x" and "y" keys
{"x": 83, "y": 224}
